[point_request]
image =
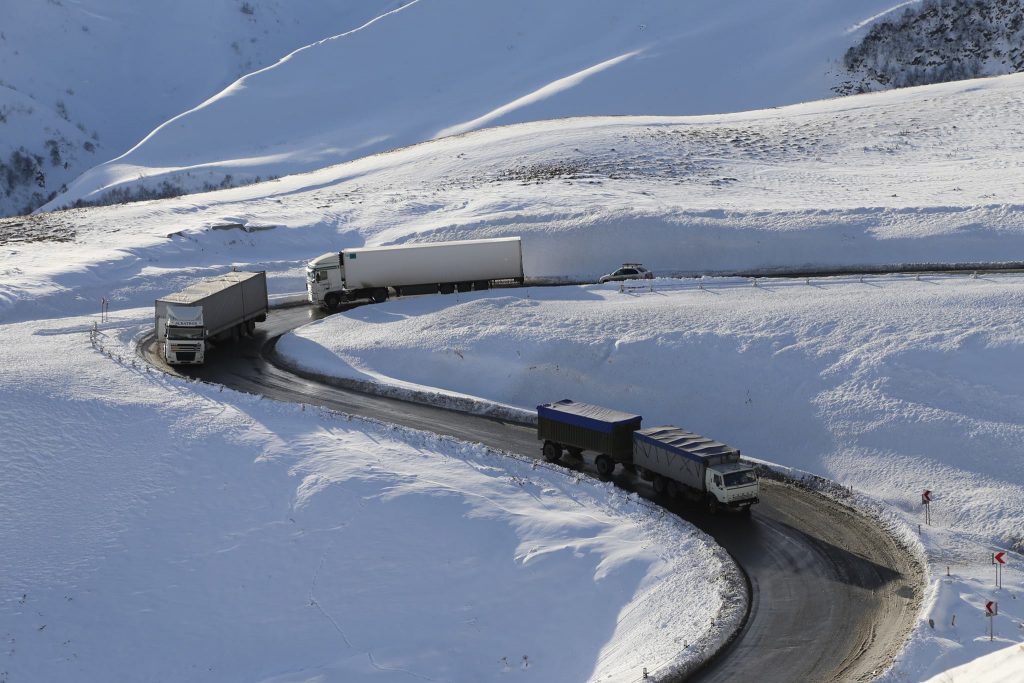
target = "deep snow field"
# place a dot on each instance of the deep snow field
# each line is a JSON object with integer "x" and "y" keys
{"x": 150, "y": 500}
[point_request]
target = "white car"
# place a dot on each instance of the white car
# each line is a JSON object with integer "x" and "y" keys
{"x": 628, "y": 271}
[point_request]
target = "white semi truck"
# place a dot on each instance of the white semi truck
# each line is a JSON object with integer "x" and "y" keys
{"x": 375, "y": 272}
{"x": 214, "y": 309}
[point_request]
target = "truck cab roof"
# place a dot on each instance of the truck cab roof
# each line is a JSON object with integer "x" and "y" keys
{"x": 330, "y": 258}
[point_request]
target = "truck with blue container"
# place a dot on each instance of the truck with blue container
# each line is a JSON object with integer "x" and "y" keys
{"x": 675, "y": 461}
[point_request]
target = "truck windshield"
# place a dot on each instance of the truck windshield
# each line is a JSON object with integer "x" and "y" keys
{"x": 184, "y": 332}
{"x": 740, "y": 478}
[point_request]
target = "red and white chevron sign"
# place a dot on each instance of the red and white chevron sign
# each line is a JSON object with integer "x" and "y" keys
{"x": 926, "y": 497}
{"x": 991, "y": 608}
{"x": 999, "y": 558}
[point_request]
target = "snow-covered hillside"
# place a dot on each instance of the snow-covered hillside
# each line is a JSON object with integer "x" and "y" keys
{"x": 82, "y": 81}
{"x": 159, "y": 530}
{"x": 935, "y": 41}
{"x": 466, "y": 64}
{"x": 919, "y": 175}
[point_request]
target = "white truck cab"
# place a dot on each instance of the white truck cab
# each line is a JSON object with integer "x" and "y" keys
{"x": 324, "y": 275}
{"x": 184, "y": 335}
{"x": 732, "y": 482}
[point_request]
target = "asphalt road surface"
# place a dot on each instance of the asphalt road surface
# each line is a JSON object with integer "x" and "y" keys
{"x": 832, "y": 596}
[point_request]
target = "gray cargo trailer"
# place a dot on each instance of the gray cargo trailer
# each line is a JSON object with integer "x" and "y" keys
{"x": 577, "y": 427}
{"x": 680, "y": 462}
{"x": 213, "y": 309}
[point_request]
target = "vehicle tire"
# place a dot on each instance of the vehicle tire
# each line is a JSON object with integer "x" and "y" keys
{"x": 552, "y": 451}
{"x": 605, "y": 465}
{"x": 250, "y": 328}
{"x": 236, "y": 332}
{"x": 379, "y": 295}
{"x": 446, "y": 288}
{"x": 660, "y": 485}
{"x": 332, "y": 301}
{"x": 465, "y": 287}
{"x": 746, "y": 511}
{"x": 713, "y": 506}
{"x": 481, "y": 285}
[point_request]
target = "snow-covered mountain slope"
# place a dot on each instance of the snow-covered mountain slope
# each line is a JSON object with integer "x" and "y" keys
{"x": 935, "y": 41}
{"x": 466, "y": 64}
{"x": 81, "y": 81}
{"x": 918, "y": 175}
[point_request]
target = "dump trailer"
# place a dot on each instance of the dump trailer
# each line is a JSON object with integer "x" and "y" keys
{"x": 375, "y": 273}
{"x": 679, "y": 462}
{"x": 214, "y": 309}
{"x": 575, "y": 427}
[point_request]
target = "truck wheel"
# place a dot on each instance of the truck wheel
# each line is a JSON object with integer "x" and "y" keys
{"x": 446, "y": 288}
{"x": 660, "y": 485}
{"x": 552, "y": 451}
{"x": 746, "y": 511}
{"x": 331, "y": 301}
{"x": 379, "y": 295}
{"x": 713, "y": 506}
{"x": 250, "y": 327}
{"x": 465, "y": 286}
{"x": 481, "y": 285}
{"x": 605, "y": 465}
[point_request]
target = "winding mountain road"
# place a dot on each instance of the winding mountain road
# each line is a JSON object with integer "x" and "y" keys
{"x": 832, "y": 596}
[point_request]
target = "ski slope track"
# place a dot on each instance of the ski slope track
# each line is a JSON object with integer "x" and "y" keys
{"x": 832, "y": 595}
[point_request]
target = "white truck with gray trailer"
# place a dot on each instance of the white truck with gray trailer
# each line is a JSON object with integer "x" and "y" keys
{"x": 375, "y": 273}
{"x": 215, "y": 309}
{"x": 675, "y": 461}
{"x": 678, "y": 462}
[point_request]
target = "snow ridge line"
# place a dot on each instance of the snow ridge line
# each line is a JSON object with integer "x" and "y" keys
{"x": 438, "y": 398}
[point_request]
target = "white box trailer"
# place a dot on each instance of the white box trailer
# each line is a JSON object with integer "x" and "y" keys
{"x": 374, "y": 272}
{"x": 213, "y": 309}
{"x": 680, "y": 462}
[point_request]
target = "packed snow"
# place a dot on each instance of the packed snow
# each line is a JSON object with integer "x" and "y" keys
{"x": 466, "y": 64}
{"x": 891, "y": 385}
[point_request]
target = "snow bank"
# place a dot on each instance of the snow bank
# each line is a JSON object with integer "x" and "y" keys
{"x": 1003, "y": 666}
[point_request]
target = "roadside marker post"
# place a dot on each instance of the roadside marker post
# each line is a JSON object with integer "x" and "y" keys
{"x": 991, "y": 610}
{"x": 926, "y": 500}
{"x": 999, "y": 559}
